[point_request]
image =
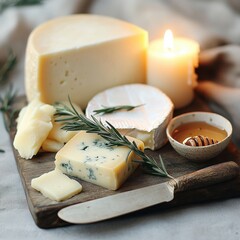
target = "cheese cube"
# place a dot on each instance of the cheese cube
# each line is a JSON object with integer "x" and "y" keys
{"x": 56, "y": 186}
{"x": 81, "y": 55}
{"x": 33, "y": 128}
{"x": 89, "y": 157}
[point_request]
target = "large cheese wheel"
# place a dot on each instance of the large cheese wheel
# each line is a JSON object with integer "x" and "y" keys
{"x": 81, "y": 55}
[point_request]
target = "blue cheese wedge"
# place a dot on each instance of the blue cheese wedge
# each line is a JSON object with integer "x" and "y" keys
{"x": 56, "y": 185}
{"x": 147, "y": 123}
{"x": 90, "y": 158}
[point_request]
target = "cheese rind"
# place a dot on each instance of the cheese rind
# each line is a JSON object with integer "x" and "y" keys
{"x": 66, "y": 55}
{"x": 56, "y": 186}
{"x": 90, "y": 158}
{"x": 34, "y": 125}
{"x": 147, "y": 122}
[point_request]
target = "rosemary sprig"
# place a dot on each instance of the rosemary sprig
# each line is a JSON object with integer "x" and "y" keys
{"x": 8, "y": 112}
{"x": 7, "y": 66}
{"x": 10, "y": 3}
{"x": 73, "y": 121}
{"x": 106, "y": 109}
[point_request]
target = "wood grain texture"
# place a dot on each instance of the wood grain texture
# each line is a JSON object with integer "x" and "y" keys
{"x": 44, "y": 211}
{"x": 205, "y": 177}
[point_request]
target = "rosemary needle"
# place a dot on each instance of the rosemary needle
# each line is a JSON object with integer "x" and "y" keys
{"x": 106, "y": 109}
{"x": 6, "y": 4}
{"x": 7, "y": 66}
{"x": 8, "y": 112}
{"x": 73, "y": 121}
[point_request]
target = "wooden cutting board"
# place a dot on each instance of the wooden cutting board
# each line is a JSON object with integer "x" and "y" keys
{"x": 44, "y": 211}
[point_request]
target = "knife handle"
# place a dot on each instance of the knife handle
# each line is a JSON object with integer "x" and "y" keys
{"x": 207, "y": 176}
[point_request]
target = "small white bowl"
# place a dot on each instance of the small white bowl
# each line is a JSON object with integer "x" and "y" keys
{"x": 200, "y": 153}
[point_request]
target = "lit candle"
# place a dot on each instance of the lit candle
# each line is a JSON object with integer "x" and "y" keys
{"x": 171, "y": 67}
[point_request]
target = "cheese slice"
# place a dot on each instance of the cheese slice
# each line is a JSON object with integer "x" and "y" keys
{"x": 50, "y": 145}
{"x": 58, "y": 134}
{"x": 81, "y": 55}
{"x": 57, "y": 137}
{"x": 34, "y": 125}
{"x": 89, "y": 157}
{"x": 56, "y": 186}
{"x": 20, "y": 115}
{"x": 147, "y": 122}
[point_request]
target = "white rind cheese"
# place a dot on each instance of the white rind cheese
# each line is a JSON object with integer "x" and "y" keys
{"x": 147, "y": 122}
{"x": 90, "y": 158}
{"x": 34, "y": 125}
{"x": 67, "y": 55}
{"x": 56, "y": 186}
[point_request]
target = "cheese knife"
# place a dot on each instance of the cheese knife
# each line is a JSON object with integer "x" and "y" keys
{"x": 134, "y": 200}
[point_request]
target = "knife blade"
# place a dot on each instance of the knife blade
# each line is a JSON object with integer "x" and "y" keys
{"x": 134, "y": 200}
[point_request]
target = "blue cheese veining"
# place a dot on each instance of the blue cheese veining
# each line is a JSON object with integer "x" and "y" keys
{"x": 90, "y": 158}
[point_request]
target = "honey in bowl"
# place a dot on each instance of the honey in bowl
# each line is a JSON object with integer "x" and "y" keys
{"x": 198, "y": 134}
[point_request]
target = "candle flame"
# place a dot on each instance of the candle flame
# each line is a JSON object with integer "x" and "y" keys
{"x": 168, "y": 40}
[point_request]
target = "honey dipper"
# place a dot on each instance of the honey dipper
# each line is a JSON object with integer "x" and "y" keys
{"x": 199, "y": 140}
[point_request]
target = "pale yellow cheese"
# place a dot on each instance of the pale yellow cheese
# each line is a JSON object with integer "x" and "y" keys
{"x": 57, "y": 137}
{"x": 57, "y": 133}
{"x": 89, "y": 157}
{"x": 81, "y": 55}
{"x": 50, "y": 145}
{"x": 56, "y": 186}
{"x": 34, "y": 125}
{"x": 60, "y": 135}
{"x": 20, "y": 116}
